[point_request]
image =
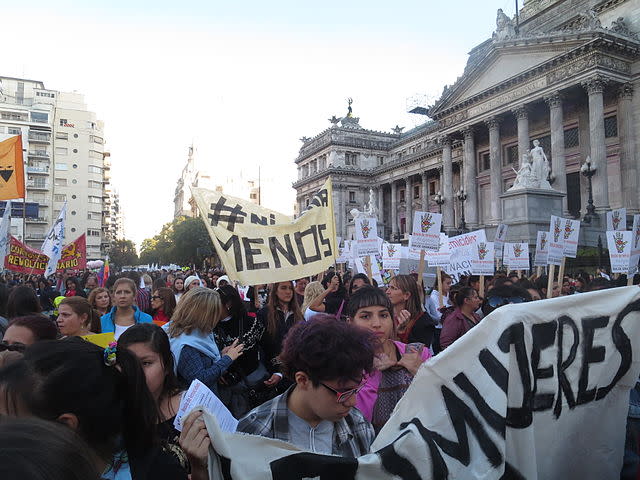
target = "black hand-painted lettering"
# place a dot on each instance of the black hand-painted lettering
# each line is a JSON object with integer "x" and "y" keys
{"x": 395, "y": 464}
{"x": 544, "y": 335}
{"x": 299, "y": 239}
{"x": 520, "y": 417}
{"x": 237, "y": 251}
{"x": 289, "y": 253}
{"x": 493, "y": 418}
{"x": 258, "y": 220}
{"x": 310, "y": 465}
{"x": 272, "y": 219}
{"x": 510, "y": 473}
{"x": 498, "y": 373}
{"x": 235, "y": 214}
{"x": 249, "y": 253}
{"x": 564, "y": 387}
{"x": 590, "y": 354}
{"x": 623, "y": 345}
{"x": 324, "y": 241}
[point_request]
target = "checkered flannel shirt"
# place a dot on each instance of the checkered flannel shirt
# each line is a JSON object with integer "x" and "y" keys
{"x": 352, "y": 435}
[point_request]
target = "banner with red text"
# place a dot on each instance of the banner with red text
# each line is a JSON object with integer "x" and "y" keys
{"x": 23, "y": 259}
{"x": 74, "y": 255}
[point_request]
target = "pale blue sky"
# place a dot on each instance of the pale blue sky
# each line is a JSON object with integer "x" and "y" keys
{"x": 243, "y": 80}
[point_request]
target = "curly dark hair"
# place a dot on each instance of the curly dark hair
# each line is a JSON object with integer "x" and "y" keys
{"x": 327, "y": 349}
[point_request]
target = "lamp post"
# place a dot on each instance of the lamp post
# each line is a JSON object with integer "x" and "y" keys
{"x": 588, "y": 169}
{"x": 462, "y": 196}
{"x": 439, "y": 199}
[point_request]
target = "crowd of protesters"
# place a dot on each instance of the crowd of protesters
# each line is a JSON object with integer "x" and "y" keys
{"x": 318, "y": 362}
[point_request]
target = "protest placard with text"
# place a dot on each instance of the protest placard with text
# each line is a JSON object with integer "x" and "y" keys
{"x": 484, "y": 261}
{"x": 542, "y": 249}
{"x": 462, "y": 249}
{"x": 555, "y": 241}
{"x": 570, "y": 235}
{"x": 426, "y": 230}
{"x": 516, "y": 255}
{"x": 366, "y": 236}
{"x": 391, "y": 253}
{"x": 617, "y": 219}
{"x": 619, "y": 245}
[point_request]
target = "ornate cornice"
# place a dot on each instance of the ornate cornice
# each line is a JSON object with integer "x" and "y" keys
{"x": 521, "y": 112}
{"x": 467, "y": 133}
{"x": 595, "y": 85}
{"x": 626, "y": 91}
{"x": 493, "y": 123}
{"x": 554, "y": 100}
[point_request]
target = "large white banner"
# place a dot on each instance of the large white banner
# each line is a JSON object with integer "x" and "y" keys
{"x": 462, "y": 253}
{"x": 535, "y": 391}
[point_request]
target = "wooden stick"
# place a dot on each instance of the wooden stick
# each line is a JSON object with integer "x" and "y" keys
{"x": 630, "y": 280}
{"x": 481, "y": 292}
{"x": 552, "y": 271}
{"x": 519, "y": 273}
{"x": 367, "y": 266}
{"x": 439, "y": 280}
{"x": 421, "y": 266}
{"x": 561, "y": 275}
{"x": 538, "y": 272}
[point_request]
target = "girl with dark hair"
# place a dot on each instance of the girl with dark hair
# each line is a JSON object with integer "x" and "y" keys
{"x": 150, "y": 344}
{"x": 76, "y": 317}
{"x": 74, "y": 288}
{"x": 336, "y": 299}
{"x": 109, "y": 406}
{"x": 414, "y": 325}
{"x": 359, "y": 280}
{"x": 247, "y": 372}
{"x": 280, "y": 314}
{"x": 396, "y": 363}
{"x": 27, "y": 330}
{"x": 22, "y": 301}
{"x": 34, "y": 449}
{"x": 178, "y": 287}
{"x": 163, "y": 303}
{"x": 463, "y": 318}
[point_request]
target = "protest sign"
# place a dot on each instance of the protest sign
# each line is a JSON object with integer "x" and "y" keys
{"x": 360, "y": 267}
{"x": 414, "y": 252}
{"x": 509, "y": 399}
{"x": 440, "y": 257}
{"x": 101, "y": 339}
{"x": 462, "y": 253}
{"x": 483, "y": 262}
{"x": 366, "y": 236}
{"x": 426, "y": 230}
{"x": 542, "y": 250}
{"x": 391, "y": 256}
{"x": 619, "y": 244}
{"x": 500, "y": 238}
{"x": 255, "y": 250}
{"x": 555, "y": 241}
{"x": 516, "y": 255}
{"x": 344, "y": 253}
{"x": 74, "y": 255}
{"x": 24, "y": 259}
{"x": 635, "y": 245}
{"x": 570, "y": 236}
{"x": 617, "y": 219}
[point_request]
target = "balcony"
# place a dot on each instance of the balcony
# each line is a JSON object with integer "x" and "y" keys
{"x": 39, "y": 170}
{"x": 38, "y": 154}
{"x": 35, "y": 236}
{"x": 39, "y": 137}
{"x": 38, "y": 220}
{"x": 37, "y": 185}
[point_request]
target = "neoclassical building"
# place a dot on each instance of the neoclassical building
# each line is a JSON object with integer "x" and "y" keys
{"x": 566, "y": 73}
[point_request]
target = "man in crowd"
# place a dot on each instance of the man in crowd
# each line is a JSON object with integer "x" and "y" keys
{"x": 326, "y": 360}
{"x": 301, "y": 284}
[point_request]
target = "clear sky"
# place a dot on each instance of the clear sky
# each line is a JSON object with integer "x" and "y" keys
{"x": 242, "y": 80}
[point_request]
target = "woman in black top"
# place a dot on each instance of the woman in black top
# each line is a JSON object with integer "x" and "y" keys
{"x": 335, "y": 301}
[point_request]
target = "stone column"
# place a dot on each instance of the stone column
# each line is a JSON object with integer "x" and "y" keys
{"x": 470, "y": 180}
{"x": 380, "y": 206}
{"x": 408, "y": 204}
{"x": 394, "y": 211}
{"x": 595, "y": 88}
{"x": 345, "y": 215}
{"x": 425, "y": 192}
{"x": 495, "y": 157}
{"x": 558, "y": 164}
{"x": 628, "y": 165}
{"x": 447, "y": 184}
{"x": 522, "y": 115}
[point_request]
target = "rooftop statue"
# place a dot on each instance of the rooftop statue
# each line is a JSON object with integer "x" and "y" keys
{"x": 504, "y": 27}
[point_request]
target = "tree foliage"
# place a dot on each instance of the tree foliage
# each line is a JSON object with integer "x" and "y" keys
{"x": 123, "y": 252}
{"x": 184, "y": 241}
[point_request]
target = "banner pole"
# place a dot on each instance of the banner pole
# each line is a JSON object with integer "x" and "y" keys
{"x": 439, "y": 280}
{"x": 630, "y": 280}
{"x": 367, "y": 266}
{"x": 481, "y": 292}
{"x": 552, "y": 271}
{"x": 561, "y": 274}
{"x": 421, "y": 269}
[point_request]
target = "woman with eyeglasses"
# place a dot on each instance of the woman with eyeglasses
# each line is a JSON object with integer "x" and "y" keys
{"x": 163, "y": 303}
{"x": 395, "y": 364}
{"x": 25, "y": 331}
{"x": 463, "y": 318}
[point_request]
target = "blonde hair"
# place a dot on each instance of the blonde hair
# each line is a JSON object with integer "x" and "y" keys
{"x": 312, "y": 291}
{"x": 198, "y": 309}
{"x": 126, "y": 280}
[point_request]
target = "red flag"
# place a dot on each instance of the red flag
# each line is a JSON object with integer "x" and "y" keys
{"x": 74, "y": 255}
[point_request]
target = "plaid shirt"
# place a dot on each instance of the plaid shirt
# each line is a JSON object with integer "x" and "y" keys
{"x": 352, "y": 435}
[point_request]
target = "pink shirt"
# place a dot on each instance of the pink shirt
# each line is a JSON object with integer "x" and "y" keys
{"x": 367, "y": 397}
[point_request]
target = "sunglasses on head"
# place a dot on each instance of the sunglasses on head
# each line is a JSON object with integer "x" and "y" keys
{"x": 14, "y": 347}
{"x": 496, "y": 302}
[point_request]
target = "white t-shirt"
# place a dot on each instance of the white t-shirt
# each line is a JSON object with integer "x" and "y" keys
{"x": 308, "y": 313}
{"x": 120, "y": 329}
{"x": 433, "y": 304}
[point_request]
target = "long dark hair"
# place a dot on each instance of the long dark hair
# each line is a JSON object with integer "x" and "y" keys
{"x": 22, "y": 301}
{"x": 72, "y": 376}
{"x": 81, "y": 306}
{"x": 272, "y": 308}
{"x": 168, "y": 300}
{"x": 230, "y": 296}
{"x": 157, "y": 340}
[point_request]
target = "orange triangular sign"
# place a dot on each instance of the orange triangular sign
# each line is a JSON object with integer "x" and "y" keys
{"x": 11, "y": 169}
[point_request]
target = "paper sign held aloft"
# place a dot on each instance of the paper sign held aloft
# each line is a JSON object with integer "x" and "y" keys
{"x": 542, "y": 249}
{"x": 462, "y": 253}
{"x": 500, "y": 238}
{"x": 483, "y": 262}
{"x": 516, "y": 255}
{"x": 391, "y": 253}
{"x": 570, "y": 234}
{"x": 619, "y": 244}
{"x": 617, "y": 219}
{"x": 199, "y": 395}
{"x": 426, "y": 230}
{"x": 366, "y": 236}
{"x": 555, "y": 241}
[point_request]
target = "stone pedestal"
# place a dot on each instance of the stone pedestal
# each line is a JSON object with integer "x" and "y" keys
{"x": 529, "y": 210}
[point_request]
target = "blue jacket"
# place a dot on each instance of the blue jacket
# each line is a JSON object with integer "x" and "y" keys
{"x": 107, "y": 319}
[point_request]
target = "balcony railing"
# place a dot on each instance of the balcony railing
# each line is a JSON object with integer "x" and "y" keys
{"x": 40, "y": 137}
{"x": 38, "y": 220}
{"x": 38, "y": 153}
{"x": 37, "y": 185}
{"x": 31, "y": 169}
{"x": 35, "y": 236}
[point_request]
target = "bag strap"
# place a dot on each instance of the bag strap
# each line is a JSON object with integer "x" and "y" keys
{"x": 339, "y": 312}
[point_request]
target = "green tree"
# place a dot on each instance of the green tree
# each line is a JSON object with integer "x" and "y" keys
{"x": 123, "y": 252}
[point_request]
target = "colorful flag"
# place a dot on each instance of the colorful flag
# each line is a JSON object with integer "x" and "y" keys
{"x": 5, "y": 230}
{"x": 74, "y": 255}
{"x": 11, "y": 169}
{"x": 24, "y": 259}
{"x": 103, "y": 274}
{"x": 52, "y": 245}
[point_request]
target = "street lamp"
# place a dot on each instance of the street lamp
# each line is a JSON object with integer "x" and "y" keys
{"x": 439, "y": 199}
{"x": 462, "y": 196}
{"x": 588, "y": 169}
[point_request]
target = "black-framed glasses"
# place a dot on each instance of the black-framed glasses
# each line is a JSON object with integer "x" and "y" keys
{"x": 496, "y": 301}
{"x": 342, "y": 397}
{"x": 156, "y": 297}
{"x": 13, "y": 347}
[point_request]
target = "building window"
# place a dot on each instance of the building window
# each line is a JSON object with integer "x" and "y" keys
{"x": 611, "y": 126}
{"x": 511, "y": 156}
{"x": 380, "y": 160}
{"x": 253, "y": 196}
{"x": 485, "y": 162}
{"x": 96, "y": 139}
{"x": 62, "y": 136}
{"x": 432, "y": 187}
{"x": 351, "y": 158}
{"x": 61, "y": 166}
{"x": 352, "y": 197}
{"x": 13, "y": 116}
{"x": 93, "y": 199}
{"x": 63, "y": 122}
{"x": 59, "y": 197}
{"x": 39, "y": 117}
{"x": 93, "y": 233}
{"x": 94, "y": 184}
{"x": 574, "y": 203}
{"x": 322, "y": 162}
{"x": 14, "y": 131}
{"x": 402, "y": 195}
{"x": 416, "y": 191}
{"x": 572, "y": 137}
{"x": 94, "y": 169}
{"x": 62, "y": 151}
{"x": 60, "y": 182}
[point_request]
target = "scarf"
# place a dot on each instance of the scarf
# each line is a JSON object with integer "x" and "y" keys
{"x": 204, "y": 343}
